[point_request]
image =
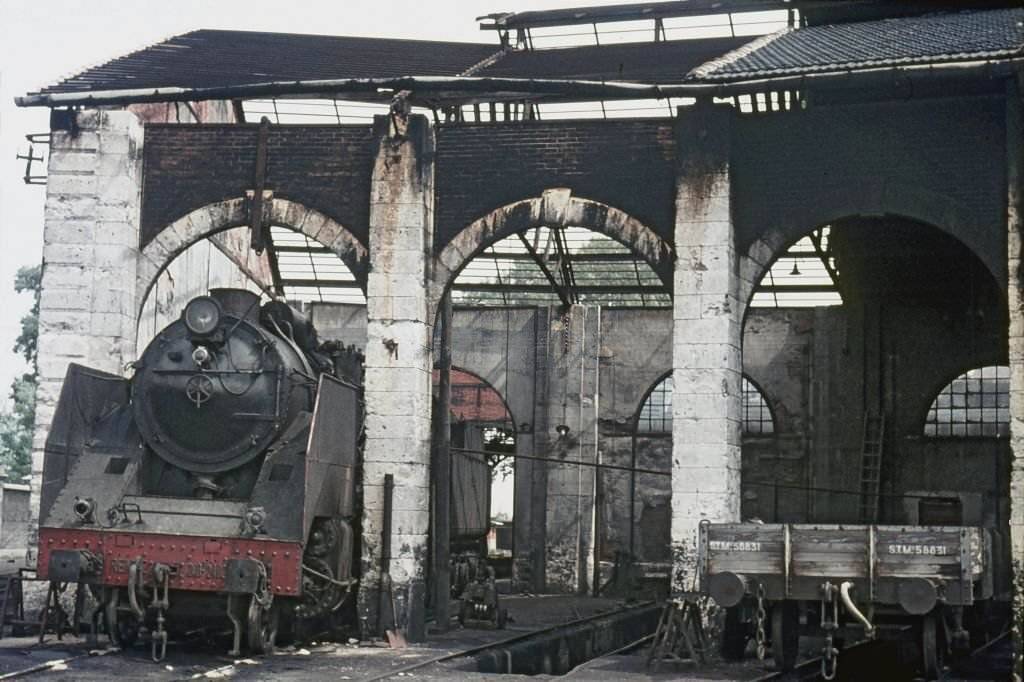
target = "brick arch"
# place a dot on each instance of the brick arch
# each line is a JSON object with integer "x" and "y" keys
{"x": 554, "y": 207}
{"x": 892, "y": 199}
{"x": 486, "y": 383}
{"x": 203, "y": 222}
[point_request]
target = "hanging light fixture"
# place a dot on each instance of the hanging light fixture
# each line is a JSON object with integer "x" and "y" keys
{"x": 796, "y": 269}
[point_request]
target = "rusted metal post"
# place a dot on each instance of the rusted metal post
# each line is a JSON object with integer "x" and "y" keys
{"x": 384, "y": 624}
{"x": 441, "y": 472}
{"x": 259, "y": 230}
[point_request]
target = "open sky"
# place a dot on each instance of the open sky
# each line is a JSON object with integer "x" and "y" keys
{"x": 42, "y": 41}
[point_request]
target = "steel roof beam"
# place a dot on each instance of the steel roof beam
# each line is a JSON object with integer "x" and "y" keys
{"x": 423, "y": 88}
{"x": 574, "y": 16}
{"x": 580, "y": 289}
{"x": 560, "y": 290}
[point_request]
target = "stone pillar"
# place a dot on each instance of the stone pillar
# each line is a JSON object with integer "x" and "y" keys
{"x": 1015, "y": 301}
{"x": 706, "y": 339}
{"x": 398, "y": 369}
{"x": 572, "y": 401}
{"x": 90, "y": 249}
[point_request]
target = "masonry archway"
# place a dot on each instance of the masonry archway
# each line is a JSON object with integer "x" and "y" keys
{"x": 919, "y": 304}
{"x": 554, "y": 208}
{"x": 556, "y": 527}
{"x": 482, "y": 422}
{"x": 889, "y": 200}
{"x": 224, "y": 215}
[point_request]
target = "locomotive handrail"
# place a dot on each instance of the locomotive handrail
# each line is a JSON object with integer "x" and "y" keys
{"x": 203, "y": 370}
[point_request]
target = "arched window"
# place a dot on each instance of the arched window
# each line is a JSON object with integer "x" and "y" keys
{"x": 656, "y": 413}
{"x": 976, "y": 403}
{"x": 757, "y": 416}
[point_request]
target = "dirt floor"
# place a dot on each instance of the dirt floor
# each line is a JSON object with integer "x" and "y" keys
{"x": 198, "y": 659}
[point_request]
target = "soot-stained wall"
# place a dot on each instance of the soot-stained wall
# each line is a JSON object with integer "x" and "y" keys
{"x": 936, "y": 161}
{"x": 327, "y": 168}
{"x": 813, "y": 365}
{"x": 626, "y": 164}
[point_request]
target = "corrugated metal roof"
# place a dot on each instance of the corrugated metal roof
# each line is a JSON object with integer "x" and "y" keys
{"x": 661, "y": 62}
{"x": 215, "y": 58}
{"x": 947, "y": 37}
{"x": 212, "y": 58}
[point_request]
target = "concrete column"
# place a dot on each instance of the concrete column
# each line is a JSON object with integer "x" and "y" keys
{"x": 90, "y": 248}
{"x": 534, "y": 547}
{"x": 1015, "y": 301}
{"x": 706, "y": 340}
{"x": 572, "y": 401}
{"x": 398, "y": 368}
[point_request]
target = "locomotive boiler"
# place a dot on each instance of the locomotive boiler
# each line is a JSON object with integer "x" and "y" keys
{"x": 214, "y": 485}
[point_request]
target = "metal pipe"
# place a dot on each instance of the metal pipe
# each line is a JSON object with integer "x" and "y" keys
{"x": 385, "y": 557}
{"x": 844, "y": 594}
{"x": 576, "y": 462}
{"x": 461, "y": 86}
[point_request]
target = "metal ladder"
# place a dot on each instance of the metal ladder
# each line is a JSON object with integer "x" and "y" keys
{"x": 871, "y": 466}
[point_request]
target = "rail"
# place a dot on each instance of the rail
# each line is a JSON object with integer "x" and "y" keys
{"x": 502, "y": 643}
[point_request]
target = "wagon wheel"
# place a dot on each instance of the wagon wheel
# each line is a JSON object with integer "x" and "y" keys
{"x": 122, "y": 626}
{"x": 785, "y": 634}
{"x": 261, "y": 627}
{"x": 930, "y": 657}
{"x": 734, "y": 634}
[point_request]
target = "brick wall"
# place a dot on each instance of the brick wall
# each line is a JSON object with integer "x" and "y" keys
{"x": 323, "y": 167}
{"x": 793, "y": 171}
{"x": 626, "y": 164}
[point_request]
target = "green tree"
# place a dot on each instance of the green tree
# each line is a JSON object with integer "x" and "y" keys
{"x": 18, "y": 422}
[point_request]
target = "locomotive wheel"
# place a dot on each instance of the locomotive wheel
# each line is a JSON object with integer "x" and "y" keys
{"x": 785, "y": 634}
{"x": 321, "y": 596}
{"x": 734, "y": 635}
{"x": 122, "y": 626}
{"x": 261, "y": 628}
{"x": 930, "y": 655}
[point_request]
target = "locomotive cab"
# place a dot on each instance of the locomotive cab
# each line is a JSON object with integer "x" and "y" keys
{"x": 219, "y": 477}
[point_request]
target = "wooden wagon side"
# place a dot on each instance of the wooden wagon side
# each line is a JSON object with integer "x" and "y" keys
{"x": 892, "y": 565}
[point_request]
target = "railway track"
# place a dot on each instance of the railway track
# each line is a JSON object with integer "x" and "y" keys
{"x": 517, "y": 640}
{"x": 811, "y": 669}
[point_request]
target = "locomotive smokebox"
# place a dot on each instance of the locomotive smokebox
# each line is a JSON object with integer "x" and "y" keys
{"x": 241, "y": 303}
{"x": 215, "y": 389}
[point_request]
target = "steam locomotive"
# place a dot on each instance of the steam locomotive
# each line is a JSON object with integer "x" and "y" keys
{"x": 216, "y": 484}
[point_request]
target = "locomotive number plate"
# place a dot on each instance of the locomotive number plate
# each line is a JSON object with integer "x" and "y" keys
{"x": 921, "y": 550}
{"x": 187, "y": 569}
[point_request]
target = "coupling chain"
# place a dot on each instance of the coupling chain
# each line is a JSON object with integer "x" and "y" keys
{"x": 829, "y": 653}
{"x": 759, "y": 617}
{"x": 263, "y": 596}
{"x": 160, "y": 602}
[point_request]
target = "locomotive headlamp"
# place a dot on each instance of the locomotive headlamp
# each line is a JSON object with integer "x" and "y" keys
{"x": 202, "y": 315}
{"x": 83, "y": 509}
{"x": 200, "y": 356}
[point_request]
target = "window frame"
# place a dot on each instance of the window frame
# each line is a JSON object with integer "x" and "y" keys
{"x": 948, "y": 394}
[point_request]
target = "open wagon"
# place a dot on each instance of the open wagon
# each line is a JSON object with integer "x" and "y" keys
{"x": 924, "y": 574}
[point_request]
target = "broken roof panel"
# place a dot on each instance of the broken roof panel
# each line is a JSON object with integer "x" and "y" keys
{"x": 218, "y": 58}
{"x": 212, "y": 58}
{"x": 625, "y": 12}
{"x": 948, "y": 37}
{"x": 651, "y": 62}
